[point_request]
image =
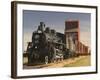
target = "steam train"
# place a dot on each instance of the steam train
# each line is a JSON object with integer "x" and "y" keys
{"x": 47, "y": 45}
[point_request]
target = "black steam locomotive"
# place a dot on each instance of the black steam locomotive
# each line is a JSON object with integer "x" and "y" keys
{"x": 47, "y": 45}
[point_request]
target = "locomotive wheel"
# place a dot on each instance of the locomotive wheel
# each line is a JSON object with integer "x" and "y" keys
{"x": 46, "y": 59}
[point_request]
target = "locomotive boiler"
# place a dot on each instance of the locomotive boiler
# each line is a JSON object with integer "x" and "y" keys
{"x": 46, "y": 46}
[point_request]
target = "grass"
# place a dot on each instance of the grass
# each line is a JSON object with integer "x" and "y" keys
{"x": 81, "y": 62}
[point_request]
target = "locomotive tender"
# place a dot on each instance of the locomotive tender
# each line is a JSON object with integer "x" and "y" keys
{"x": 47, "y": 46}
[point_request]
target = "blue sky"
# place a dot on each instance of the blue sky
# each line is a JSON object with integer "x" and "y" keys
{"x": 55, "y": 20}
